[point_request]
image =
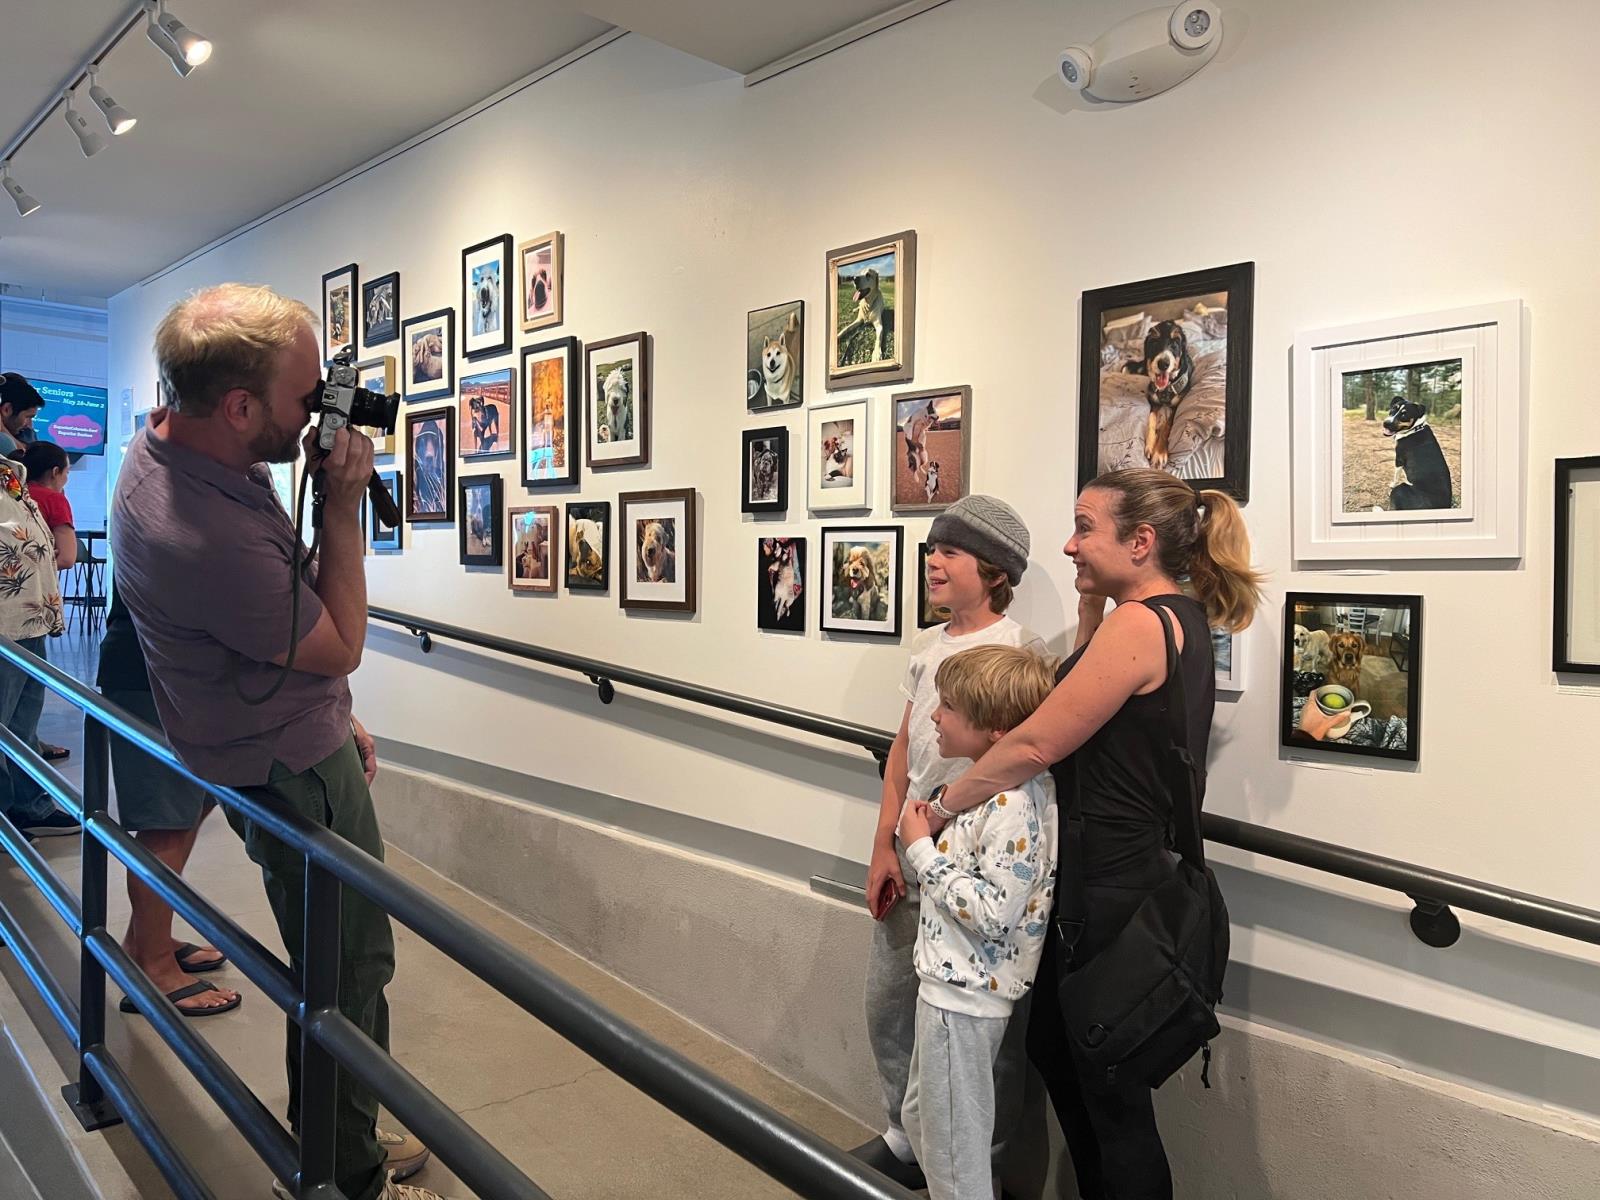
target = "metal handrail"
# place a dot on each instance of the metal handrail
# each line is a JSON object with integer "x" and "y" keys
{"x": 103, "y": 1094}
{"x": 1432, "y": 892}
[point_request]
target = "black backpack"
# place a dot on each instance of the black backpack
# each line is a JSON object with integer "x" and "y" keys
{"x": 1140, "y": 1008}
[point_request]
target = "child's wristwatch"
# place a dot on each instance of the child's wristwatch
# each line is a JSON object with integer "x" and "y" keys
{"x": 937, "y": 808}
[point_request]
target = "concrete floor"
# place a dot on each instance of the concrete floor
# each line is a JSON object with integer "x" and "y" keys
{"x": 574, "y": 1127}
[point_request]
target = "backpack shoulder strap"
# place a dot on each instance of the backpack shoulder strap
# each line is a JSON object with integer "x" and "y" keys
{"x": 1184, "y": 772}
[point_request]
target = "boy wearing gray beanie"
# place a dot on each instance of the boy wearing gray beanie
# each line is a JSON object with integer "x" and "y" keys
{"x": 978, "y": 550}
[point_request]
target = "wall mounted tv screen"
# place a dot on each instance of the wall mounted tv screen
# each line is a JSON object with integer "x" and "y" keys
{"x": 73, "y": 416}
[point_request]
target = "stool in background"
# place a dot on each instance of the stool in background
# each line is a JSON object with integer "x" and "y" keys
{"x": 84, "y": 597}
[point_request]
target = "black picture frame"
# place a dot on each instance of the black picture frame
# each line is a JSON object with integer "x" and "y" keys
{"x": 445, "y": 386}
{"x": 494, "y": 507}
{"x": 388, "y": 541}
{"x": 502, "y": 344}
{"x": 1561, "y": 658}
{"x": 773, "y": 555}
{"x": 573, "y": 411}
{"x": 1238, "y": 280}
{"x": 889, "y": 626}
{"x": 382, "y": 331}
{"x": 598, "y": 511}
{"x": 1298, "y": 677}
{"x": 927, "y": 615}
{"x": 330, "y": 345}
{"x": 778, "y": 436}
{"x": 446, "y": 487}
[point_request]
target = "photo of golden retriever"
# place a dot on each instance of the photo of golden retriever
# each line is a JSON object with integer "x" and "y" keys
{"x": 1346, "y": 650}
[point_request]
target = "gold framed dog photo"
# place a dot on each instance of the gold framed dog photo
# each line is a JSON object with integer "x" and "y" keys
{"x": 656, "y": 540}
{"x": 840, "y": 445}
{"x": 341, "y": 290}
{"x": 932, "y": 449}
{"x": 862, "y": 569}
{"x": 617, "y": 401}
{"x": 531, "y": 565}
{"x": 871, "y": 289}
{"x": 487, "y": 412}
{"x": 377, "y": 375}
{"x": 775, "y": 342}
{"x": 543, "y": 286}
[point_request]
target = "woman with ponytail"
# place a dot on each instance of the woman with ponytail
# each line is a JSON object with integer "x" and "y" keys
{"x": 1138, "y": 537}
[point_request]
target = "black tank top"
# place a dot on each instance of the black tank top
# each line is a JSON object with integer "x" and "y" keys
{"x": 1127, "y": 808}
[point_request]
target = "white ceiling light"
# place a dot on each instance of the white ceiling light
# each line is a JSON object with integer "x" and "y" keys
{"x": 186, "y": 48}
{"x": 118, "y": 119}
{"x": 24, "y": 202}
{"x": 90, "y": 142}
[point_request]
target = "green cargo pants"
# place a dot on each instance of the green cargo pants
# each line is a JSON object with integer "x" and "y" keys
{"x": 333, "y": 794}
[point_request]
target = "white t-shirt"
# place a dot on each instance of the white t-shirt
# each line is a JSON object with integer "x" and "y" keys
{"x": 928, "y": 649}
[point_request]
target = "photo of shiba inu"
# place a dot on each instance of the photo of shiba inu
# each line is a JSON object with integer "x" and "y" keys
{"x": 774, "y": 357}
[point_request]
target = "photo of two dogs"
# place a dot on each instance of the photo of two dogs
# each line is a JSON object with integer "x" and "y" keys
{"x": 1364, "y": 650}
{"x": 1402, "y": 438}
{"x": 929, "y": 460}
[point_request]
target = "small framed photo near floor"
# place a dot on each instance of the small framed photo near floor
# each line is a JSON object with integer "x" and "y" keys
{"x": 377, "y": 375}
{"x": 1351, "y": 674}
{"x": 928, "y": 613}
{"x": 588, "y": 546}
{"x": 531, "y": 567}
{"x": 486, "y": 298}
{"x": 617, "y": 404}
{"x": 383, "y": 539}
{"x": 341, "y": 291}
{"x": 1227, "y": 653}
{"x": 482, "y": 534}
{"x": 871, "y": 289}
{"x": 862, "y": 569}
{"x": 1164, "y": 378}
{"x": 657, "y": 541}
{"x": 780, "y": 584}
{"x": 487, "y": 413}
{"x": 1408, "y": 438}
{"x": 429, "y": 345}
{"x": 839, "y": 451}
{"x": 764, "y": 470}
{"x": 431, "y": 465}
{"x": 552, "y": 414}
{"x": 380, "y": 310}
{"x": 932, "y": 449}
{"x": 543, "y": 289}
{"x": 775, "y": 342}
{"x": 1577, "y": 584}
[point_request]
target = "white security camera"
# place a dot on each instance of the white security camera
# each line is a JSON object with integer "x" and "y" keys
{"x": 1145, "y": 54}
{"x": 1193, "y": 24}
{"x": 1077, "y": 67}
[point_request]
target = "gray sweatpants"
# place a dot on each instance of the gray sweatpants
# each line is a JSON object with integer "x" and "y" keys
{"x": 892, "y": 1020}
{"x": 949, "y": 1108}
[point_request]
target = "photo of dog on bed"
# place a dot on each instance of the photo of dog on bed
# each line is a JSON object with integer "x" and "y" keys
{"x": 1349, "y": 680}
{"x": 863, "y": 567}
{"x": 1401, "y": 438}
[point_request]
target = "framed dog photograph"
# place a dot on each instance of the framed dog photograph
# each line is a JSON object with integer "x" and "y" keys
{"x": 775, "y": 342}
{"x": 531, "y": 567}
{"x": 840, "y": 449}
{"x": 871, "y": 289}
{"x": 928, "y": 613}
{"x": 487, "y": 412}
{"x": 552, "y": 414}
{"x": 1227, "y": 653}
{"x": 429, "y": 345}
{"x": 380, "y": 310}
{"x": 932, "y": 449}
{"x": 430, "y": 465}
{"x": 1577, "y": 581}
{"x": 764, "y": 470}
{"x": 1351, "y": 674}
{"x": 656, "y": 540}
{"x": 1164, "y": 378}
{"x": 385, "y": 540}
{"x": 486, "y": 298}
{"x": 588, "y": 561}
{"x": 1408, "y": 437}
{"x": 482, "y": 534}
{"x": 340, "y": 292}
{"x": 283, "y": 485}
{"x": 862, "y": 572}
{"x": 780, "y": 585}
{"x": 539, "y": 267}
{"x": 377, "y": 375}
{"x": 617, "y": 404}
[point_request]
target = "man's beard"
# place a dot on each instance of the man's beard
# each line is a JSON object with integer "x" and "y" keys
{"x": 275, "y": 446}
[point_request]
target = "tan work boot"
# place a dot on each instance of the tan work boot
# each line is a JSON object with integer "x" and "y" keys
{"x": 405, "y": 1154}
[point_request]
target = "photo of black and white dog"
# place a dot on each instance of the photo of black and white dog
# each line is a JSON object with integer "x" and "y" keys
{"x": 1421, "y": 474}
{"x": 1170, "y": 371}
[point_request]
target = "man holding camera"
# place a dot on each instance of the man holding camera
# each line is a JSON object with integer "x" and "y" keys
{"x": 204, "y": 557}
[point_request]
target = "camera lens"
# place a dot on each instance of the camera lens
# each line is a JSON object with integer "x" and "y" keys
{"x": 373, "y": 410}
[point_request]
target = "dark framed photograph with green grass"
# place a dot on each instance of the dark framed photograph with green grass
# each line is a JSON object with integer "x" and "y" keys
{"x": 871, "y": 290}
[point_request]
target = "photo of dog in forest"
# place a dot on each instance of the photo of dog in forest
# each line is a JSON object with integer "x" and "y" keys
{"x": 1401, "y": 434}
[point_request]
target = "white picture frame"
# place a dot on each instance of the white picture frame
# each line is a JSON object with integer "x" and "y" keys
{"x": 839, "y": 456}
{"x": 1488, "y": 520}
{"x": 1228, "y": 653}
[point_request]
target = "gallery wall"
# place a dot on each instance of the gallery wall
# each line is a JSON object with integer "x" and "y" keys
{"x": 1372, "y": 160}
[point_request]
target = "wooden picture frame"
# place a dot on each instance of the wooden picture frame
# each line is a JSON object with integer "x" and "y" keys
{"x": 432, "y": 499}
{"x": 1575, "y": 629}
{"x": 551, "y": 414}
{"x": 863, "y": 284}
{"x": 533, "y": 539}
{"x": 482, "y": 521}
{"x": 764, "y": 470}
{"x": 863, "y": 569}
{"x": 617, "y": 392}
{"x": 378, "y": 375}
{"x": 486, "y": 271}
{"x": 380, "y": 310}
{"x": 428, "y": 356}
{"x": 928, "y": 467}
{"x": 541, "y": 286}
{"x": 341, "y": 293}
{"x": 657, "y": 565}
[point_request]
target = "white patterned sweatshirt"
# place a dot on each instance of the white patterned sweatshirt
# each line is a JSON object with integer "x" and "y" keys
{"x": 986, "y": 889}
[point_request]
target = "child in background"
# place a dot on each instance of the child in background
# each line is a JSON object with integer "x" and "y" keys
{"x": 986, "y": 892}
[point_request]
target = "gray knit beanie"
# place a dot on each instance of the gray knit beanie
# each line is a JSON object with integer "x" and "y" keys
{"x": 987, "y": 527}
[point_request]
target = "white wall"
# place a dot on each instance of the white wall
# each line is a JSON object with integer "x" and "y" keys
{"x": 1358, "y": 153}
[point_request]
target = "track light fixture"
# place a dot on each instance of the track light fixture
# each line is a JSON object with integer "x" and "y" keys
{"x": 24, "y": 202}
{"x": 186, "y": 48}
{"x": 118, "y": 119}
{"x": 90, "y": 142}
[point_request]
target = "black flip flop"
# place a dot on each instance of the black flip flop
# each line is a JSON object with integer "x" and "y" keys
{"x": 194, "y": 989}
{"x": 187, "y": 949}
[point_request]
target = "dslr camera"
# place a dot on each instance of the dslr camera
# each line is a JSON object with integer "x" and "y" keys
{"x": 345, "y": 402}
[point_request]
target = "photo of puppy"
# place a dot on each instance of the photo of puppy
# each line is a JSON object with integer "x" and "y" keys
{"x": 487, "y": 403}
{"x": 1170, "y": 370}
{"x": 1402, "y": 432}
{"x": 655, "y": 555}
{"x": 780, "y": 584}
{"x": 588, "y": 526}
{"x": 530, "y": 566}
{"x": 863, "y": 579}
{"x": 931, "y": 449}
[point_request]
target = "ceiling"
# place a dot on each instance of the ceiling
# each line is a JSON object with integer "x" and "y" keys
{"x": 278, "y": 110}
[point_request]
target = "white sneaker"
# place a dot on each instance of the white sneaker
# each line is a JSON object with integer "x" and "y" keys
{"x": 391, "y": 1191}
